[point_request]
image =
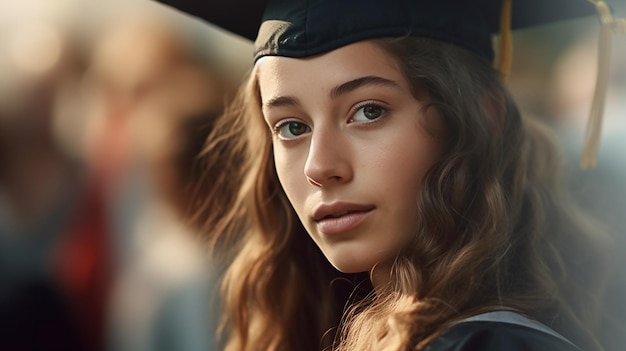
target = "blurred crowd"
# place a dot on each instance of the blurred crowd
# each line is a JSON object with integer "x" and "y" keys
{"x": 104, "y": 107}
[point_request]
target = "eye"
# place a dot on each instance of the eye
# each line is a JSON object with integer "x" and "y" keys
{"x": 368, "y": 113}
{"x": 291, "y": 129}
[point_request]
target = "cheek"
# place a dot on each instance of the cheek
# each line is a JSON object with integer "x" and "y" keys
{"x": 404, "y": 158}
{"x": 398, "y": 167}
{"x": 289, "y": 175}
{"x": 281, "y": 169}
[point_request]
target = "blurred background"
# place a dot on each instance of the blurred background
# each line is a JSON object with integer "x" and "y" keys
{"x": 104, "y": 106}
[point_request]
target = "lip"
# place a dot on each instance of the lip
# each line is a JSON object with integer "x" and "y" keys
{"x": 350, "y": 216}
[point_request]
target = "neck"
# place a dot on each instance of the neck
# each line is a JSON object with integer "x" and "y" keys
{"x": 381, "y": 277}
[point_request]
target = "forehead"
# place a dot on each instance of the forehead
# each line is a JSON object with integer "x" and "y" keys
{"x": 279, "y": 75}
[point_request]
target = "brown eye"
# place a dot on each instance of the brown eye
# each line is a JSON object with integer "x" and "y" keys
{"x": 368, "y": 113}
{"x": 292, "y": 129}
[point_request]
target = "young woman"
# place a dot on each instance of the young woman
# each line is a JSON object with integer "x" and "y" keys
{"x": 401, "y": 165}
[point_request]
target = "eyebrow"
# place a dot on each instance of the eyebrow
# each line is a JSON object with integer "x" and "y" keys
{"x": 361, "y": 82}
{"x": 337, "y": 91}
{"x": 281, "y": 101}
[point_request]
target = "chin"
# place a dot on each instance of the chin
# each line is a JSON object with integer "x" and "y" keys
{"x": 347, "y": 265}
{"x": 355, "y": 257}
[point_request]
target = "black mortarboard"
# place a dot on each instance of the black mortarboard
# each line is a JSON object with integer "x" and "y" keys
{"x": 300, "y": 28}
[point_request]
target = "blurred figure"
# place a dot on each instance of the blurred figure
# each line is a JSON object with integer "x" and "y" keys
{"x": 41, "y": 189}
{"x": 153, "y": 101}
{"x": 567, "y": 54}
{"x": 569, "y": 57}
{"x": 95, "y": 249}
{"x": 601, "y": 190}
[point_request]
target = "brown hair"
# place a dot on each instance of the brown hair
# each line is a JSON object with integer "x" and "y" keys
{"x": 493, "y": 230}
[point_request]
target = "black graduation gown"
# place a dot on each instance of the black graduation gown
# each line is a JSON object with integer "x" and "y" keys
{"x": 492, "y": 336}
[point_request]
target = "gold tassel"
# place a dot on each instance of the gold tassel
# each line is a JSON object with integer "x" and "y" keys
{"x": 505, "y": 52}
{"x": 594, "y": 124}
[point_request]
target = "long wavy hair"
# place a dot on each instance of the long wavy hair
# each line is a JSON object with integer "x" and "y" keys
{"x": 494, "y": 229}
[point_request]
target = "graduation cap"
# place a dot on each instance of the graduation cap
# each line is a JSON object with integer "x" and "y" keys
{"x": 301, "y": 28}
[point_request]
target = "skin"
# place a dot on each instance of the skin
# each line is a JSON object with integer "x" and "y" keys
{"x": 361, "y": 146}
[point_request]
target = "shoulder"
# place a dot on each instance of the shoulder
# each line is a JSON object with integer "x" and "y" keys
{"x": 486, "y": 336}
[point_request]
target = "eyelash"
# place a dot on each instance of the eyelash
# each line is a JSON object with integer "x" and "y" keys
{"x": 276, "y": 129}
{"x": 372, "y": 103}
{"x": 385, "y": 111}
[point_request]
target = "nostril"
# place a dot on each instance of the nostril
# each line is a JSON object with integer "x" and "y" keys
{"x": 313, "y": 182}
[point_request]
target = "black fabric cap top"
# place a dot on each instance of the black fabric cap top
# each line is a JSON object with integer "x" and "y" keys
{"x": 300, "y": 28}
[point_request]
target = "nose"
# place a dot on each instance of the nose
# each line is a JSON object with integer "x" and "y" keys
{"x": 328, "y": 161}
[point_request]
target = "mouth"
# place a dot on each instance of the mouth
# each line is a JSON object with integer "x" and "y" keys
{"x": 341, "y": 217}
{"x": 339, "y": 210}
{"x": 340, "y": 214}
